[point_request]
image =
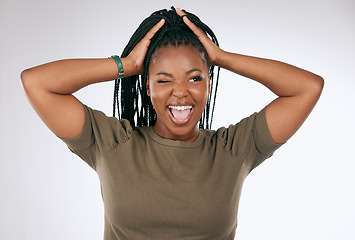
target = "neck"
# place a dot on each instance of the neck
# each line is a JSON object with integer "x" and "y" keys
{"x": 188, "y": 137}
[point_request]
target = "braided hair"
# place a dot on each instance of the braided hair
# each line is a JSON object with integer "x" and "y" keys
{"x": 130, "y": 94}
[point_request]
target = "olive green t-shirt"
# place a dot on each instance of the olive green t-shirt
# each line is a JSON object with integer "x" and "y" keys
{"x": 156, "y": 188}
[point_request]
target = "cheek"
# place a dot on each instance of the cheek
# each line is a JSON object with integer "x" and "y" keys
{"x": 200, "y": 93}
{"x": 159, "y": 96}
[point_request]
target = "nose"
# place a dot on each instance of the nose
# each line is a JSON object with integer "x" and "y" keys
{"x": 180, "y": 90}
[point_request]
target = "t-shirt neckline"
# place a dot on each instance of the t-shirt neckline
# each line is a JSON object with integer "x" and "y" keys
{"x": 176, "y": 143}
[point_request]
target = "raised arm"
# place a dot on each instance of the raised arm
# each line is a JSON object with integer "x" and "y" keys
{"x": 297, "y": 90}
{"x": 49, "y": 87}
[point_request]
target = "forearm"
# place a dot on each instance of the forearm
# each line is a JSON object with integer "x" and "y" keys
{"x": 68, "y": 76}
{"x": 283, "y": 79}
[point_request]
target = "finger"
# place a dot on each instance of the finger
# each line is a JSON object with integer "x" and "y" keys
{"x": 180, "y": 12}
{"x": 196, "y": 30}
{"x": 150, "y": 34}
{"x": 191, "y": 25}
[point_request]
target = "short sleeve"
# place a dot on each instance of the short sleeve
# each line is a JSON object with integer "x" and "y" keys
{"x": 262, "y": 137}
{"x": 249, "y": 139}
{"x": 99, "y": 135}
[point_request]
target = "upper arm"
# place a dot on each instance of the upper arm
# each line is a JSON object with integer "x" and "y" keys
{"x": 64, "y": 115}
{"x": 285, "y": 115}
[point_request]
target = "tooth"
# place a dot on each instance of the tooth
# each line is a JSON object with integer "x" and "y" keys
{"x": 180, "y": 108}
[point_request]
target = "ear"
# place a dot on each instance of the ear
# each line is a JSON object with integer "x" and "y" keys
{"x": 147, "y": 87}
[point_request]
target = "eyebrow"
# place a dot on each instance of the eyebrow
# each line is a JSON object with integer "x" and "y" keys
{"x": 170, "y": 75}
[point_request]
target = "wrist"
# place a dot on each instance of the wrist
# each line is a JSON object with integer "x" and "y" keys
{"x": 130, "y": 69}
{"x": 119, "y": 66}
{"x": 218, "y": 56}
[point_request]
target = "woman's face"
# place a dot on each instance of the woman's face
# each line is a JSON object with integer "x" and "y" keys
{"x": 178, "y": 85}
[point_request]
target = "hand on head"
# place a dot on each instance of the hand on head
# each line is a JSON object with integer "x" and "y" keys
{"x": 164, "y": 28}
{"x": 138, "y": 53}
{"x": 212, "y": 49}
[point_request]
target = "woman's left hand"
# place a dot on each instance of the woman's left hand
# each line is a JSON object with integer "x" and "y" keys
{"x": 212, "y": 49}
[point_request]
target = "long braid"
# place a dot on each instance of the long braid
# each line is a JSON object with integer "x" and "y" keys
{"x": 133, "y": 103}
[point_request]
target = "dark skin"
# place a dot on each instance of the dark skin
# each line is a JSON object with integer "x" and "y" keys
{"x": 298, "y": 90}
{"x": 178, "y": 77}
{"x": 49, "y": 88}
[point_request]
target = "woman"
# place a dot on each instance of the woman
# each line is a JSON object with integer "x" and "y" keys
{"x": 161, "y": 176}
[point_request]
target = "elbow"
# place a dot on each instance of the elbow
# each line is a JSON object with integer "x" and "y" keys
{"x": 315, "y": 86}
{"x": 319, "y": 81}
{"x": 28, "y": 80}
{"x": 318, "y": 84}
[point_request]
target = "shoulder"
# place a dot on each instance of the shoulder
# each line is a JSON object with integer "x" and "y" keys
{"x": 242, "y": 127}
{"x": 101, "y": 130}
{"x": 249, "y": 133}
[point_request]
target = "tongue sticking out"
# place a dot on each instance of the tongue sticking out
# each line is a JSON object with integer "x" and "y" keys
{"x": 180, "y": 114}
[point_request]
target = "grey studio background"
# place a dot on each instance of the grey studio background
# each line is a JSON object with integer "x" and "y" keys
{"x": 305, "y": 191}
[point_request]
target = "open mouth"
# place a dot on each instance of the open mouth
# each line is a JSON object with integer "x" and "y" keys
{"x": 180, "y": 114}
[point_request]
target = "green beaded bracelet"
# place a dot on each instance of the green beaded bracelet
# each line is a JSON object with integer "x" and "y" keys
{"x": 119, "y": 65}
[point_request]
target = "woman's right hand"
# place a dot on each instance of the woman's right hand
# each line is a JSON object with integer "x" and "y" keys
{"x": 133, "y": 63}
